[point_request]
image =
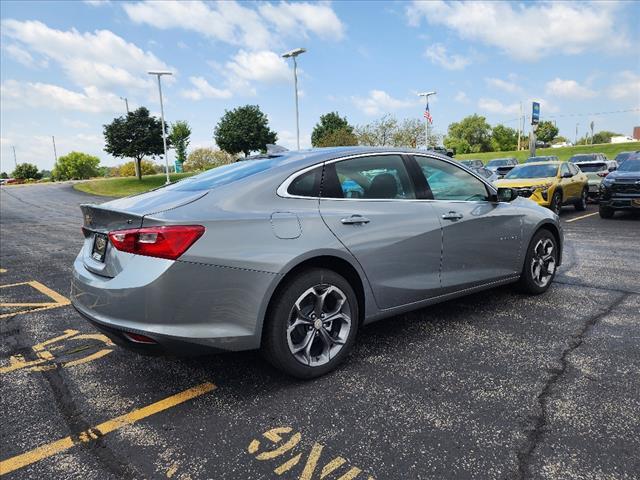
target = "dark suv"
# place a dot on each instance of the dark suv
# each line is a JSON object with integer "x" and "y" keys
{"x": 620, "y": 190}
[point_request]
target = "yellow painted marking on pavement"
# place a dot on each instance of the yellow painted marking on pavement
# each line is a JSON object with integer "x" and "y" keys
{"x": 3, "y": 270}
{"x": 53, "y": 448}
{"x": 583, "y": 216}
{"x": 172, "y": 470}
{"x": 45, "y": 359}
{"x": 58, "y": 300}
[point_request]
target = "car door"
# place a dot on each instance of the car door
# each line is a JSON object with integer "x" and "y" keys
{"x": 369, "y": 203}
{"x": 567, "y": 183}
{"x": 579, "y": 179}
{"x": 481, "y": 238}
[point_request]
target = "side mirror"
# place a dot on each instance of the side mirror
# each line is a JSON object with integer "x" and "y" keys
{"x": 506, "y": 194}
{"x": 611, "y": 169}
{"x": 567, "y": 175}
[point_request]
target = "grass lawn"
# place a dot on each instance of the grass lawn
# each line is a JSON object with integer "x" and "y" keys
{"x": 609, "y": 149}
{"x": 123, "y": 186}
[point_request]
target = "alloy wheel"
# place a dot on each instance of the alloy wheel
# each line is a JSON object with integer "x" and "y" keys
{"x": 543, "y": 262}
{"x": 319, "y": 325}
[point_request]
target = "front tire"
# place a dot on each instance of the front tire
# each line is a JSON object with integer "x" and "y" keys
{"x": 556, "y": 202}
{"x": 540, "y": 263}
{"x": 312, "y": 324}
{"x": 581, "y": 204}
{"x": 606, "y": 212}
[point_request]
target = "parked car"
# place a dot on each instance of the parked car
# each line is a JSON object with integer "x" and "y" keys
{"x": 595, "y": 172}
{"x": 543, "y": 158}
{"x": 620, "y": 190}
{"x": 472, "y": 163}
{"x": 502, "y": 166}
{"x": 489, "y": 175}
{"x": 622, "y": 156}
{"x": 550, "y": 184}
{"x": 270, "y": 254}
{"x": 588, "y": 157}
{"x": 443, "y": 150}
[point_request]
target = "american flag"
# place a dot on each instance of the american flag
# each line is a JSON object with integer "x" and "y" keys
{"x": 427, "y": 114}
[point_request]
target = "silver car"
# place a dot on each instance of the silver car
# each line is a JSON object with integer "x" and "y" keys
{"x": 293, "y": 253}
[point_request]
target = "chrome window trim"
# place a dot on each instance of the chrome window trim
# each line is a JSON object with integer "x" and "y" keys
{"x": 284, "y": 186}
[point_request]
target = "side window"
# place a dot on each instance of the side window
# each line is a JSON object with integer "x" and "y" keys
{"x": 381, "y": 177}
{"x": 307, "y": 184}
{"x": 564, "y": 169}
{"x": 574, "y": 170}
{"x": 448, "y": 182}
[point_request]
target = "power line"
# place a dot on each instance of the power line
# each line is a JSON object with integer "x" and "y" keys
{"x": 593, "y": 113}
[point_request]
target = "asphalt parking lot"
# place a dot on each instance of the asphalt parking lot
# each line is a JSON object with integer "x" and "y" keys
{"x": 496, "y": 385}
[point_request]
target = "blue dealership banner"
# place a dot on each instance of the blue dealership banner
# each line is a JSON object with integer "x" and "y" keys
{"x": 535, "y": 113}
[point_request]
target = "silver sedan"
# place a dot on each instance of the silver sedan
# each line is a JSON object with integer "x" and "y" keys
{"x": 292, "y": 253}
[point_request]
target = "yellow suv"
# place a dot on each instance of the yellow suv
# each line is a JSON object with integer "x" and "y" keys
{"x": 550, "y": 184}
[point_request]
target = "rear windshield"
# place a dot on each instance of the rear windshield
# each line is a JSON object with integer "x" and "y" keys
{"x": 539, "y": 159}
{"x": 582, "y": 158}
{"x": 592, "y": 167}
{"x": 533, "y": 171}
{"x": 223, "y": 175}
{"x": 499, "y": 162}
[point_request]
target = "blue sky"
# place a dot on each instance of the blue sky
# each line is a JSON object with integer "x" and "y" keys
{"x": 65, "y": 65}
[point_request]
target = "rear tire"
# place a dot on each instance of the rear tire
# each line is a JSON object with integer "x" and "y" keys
{"x": 307, "y": 337}
{"x": 606, "y": 212}
{"x": 581, "y": 204}
{"x": 540, "y": 263}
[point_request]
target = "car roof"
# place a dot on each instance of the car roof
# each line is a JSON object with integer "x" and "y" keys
{"x": 587, "y": 162}
{"x": 555, "y": 162}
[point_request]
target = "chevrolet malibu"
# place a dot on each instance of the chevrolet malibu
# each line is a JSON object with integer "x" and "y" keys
{"x": 293, "y": 253}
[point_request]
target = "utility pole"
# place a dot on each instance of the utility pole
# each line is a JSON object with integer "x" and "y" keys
{"x": 126, "y": 103}
{"x": 14, "y": 156}
{"x": 576, "y": 133}
{"x": 55, "y": 154}
{"x": 428, "y": 119}
{"x": 592, "y": 125}
{"x": 293, "y": 54}
{"x": 519, "y": 122}
{"x": 164, "y": 134}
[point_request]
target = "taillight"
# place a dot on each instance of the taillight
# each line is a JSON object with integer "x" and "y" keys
{"x": 603, "y": 174}
{"x": 162, "y": 242}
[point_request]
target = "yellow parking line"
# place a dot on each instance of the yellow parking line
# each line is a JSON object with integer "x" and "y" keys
{"x": 53, "y": 448}
{"x": 58, "y": 300}
{"x": 583, "y": 216}
{"x": 3, "y": 270}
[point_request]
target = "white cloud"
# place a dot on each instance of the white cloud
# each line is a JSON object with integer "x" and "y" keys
{"x": 100, "y": 59}
{"x": 437, "y": 53}
{"x": 568, "y": 89}
{"x": 233, "y": 23}
{"x": 527, "y": 31}
{"x": 298, "y": 18}
{"x": 48, "y": 96}
{"x": 503, "y": 85}
{"x": 204, "y": 90}
{"x": 380, "y": 101}
{"x": 261, "y": 66}
{"x": 19, "y": 54}
{"x": 75, "y": 123}
{"x": 627, "y": 87}
{"x": 461, "y": 97}
{"x": 491, "y": 105}
{"x": 97, "y": 3}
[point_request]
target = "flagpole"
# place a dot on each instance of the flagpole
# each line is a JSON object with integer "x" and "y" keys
{"x": 426, "y": 96}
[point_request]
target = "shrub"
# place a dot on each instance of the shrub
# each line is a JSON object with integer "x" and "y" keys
{"x": 129, "y": 169}
{"x": 206, "y": 158}
{"x": 25, "y": 171}
{"x": 76, "y": 166}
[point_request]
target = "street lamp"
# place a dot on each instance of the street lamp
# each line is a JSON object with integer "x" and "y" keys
{"x": 293, "y": 54}
{"x": 426, "y": 96}
{"x": 159, "y": 73}
{"x": 126, "y": 103}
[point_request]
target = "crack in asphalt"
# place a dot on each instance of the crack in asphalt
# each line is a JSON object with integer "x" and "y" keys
{"x": 534, "y": 435}
{"x": 594, "y": 287}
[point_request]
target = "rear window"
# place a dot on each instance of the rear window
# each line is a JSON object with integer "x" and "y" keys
{"x": 583, "y": 158}
{"x": 592, "y": 167}
{"x": 307, "y": 184}
{"x": 533, "y": 171}
{"x": 223, "y": 175}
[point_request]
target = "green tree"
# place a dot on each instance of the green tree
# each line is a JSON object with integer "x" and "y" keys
{"x": 546, "y": 131}
{"x": 329, "y": 123}
{"x": 409, "y": 134}
{"x": 25, "y": 171}
{"x": 179, "y": 138}
{"x": 145, "y": 167}
{"x": 378, "y": 133}
{"x": 206, "y": 158}
{"x": 244, "y": 129}
{"x": 76, "y": 166}
{"x": 604, "y": 136}
{"x": 470, "y": 135}
{"x": 343, "y": 137}
{"x": 135, "y": 135}
{"x": 4, "y": 175}
{"x": 503, "y": 138}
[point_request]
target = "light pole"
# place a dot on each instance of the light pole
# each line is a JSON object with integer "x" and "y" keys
{"x": 428, "y": 120}
{"x": 126, "y": 103}
{"x": 55, "y": 153}
{"x": 159, "y": 73}
{"x": 293, "y": 54}
{"x": 576, "y": 133}
{"x": 15, "y": 160}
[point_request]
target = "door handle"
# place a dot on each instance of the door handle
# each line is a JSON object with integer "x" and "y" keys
{"x": 452, "y": 216}
{"x": 355, "y": 220}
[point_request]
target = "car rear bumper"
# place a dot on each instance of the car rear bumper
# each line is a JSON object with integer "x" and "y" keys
{"x": 621, "y": 203}
{"x": 184, "y": 307}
